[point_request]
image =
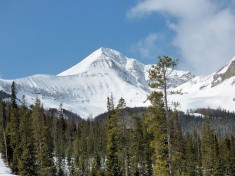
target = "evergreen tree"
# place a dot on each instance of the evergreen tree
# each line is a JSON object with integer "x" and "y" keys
{"x": 177, "y": 145}
{"x": 216, "y": 157}
{"x": 232, "y": 154}
{"x": 76, "y": 150}
{"x": 12, "y": 133}
{"x": 124, "y": 138}
{"x": 112, "y": 163}
{"x": 140, "y": 150}
{"x": 137, "y": 148}
{"x": 3, "y": 124}
{"x": 70, "y": 162}
{"x": 27, "y": 162}
{"x": 207, "y": 148}
{"x": 157, "y": 126}
{"x": 43, "y": 142}
{"x": 96, "y": 166}
{"x": 13, "y": 95}
{"x": 227, "y": 155}
{"x": 190, "y": 155}
{"x": 158, "y": 76}
{"x": 60, "y": 142}
{"x": 70, "y": 135}
{"x": 193, "y": 154}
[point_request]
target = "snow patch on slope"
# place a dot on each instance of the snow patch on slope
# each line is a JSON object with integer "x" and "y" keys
{"x": 4, "y": 170}
{"x": 199, "y": 93}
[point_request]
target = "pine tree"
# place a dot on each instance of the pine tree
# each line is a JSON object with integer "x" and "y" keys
{"x": 177, "y": 145}
{"x": 124, "y": 138}
{"x": 137, "y": 148}
{"x": 193, "y": 154}
{"x": 76, "y": 150}
{"x": 12, "y": 132}
{"x": 96, "y": 165}
{"x": 43, "y": 141}
{"x": 3, "y": 124}
{"x": 158, "y": 76}
{"x": 70, "y": 161}
{"x": 112, "y": 163}
{"x": 207, "y": 148}
{"x": 190, "y": 155}
{"x": 148, "y": 137}
{"x": 232, "y": 154}
{"x": 216, "y": 157}
{"x": 13, "y": 95}
{"x": 157, "y": 126}
{"x": 27, "y": 161}
{"x": 70, "y": 135}
{"x": 228, "y": 155}
{"x": 60, "y": 142}
{"x": 140, "y": 152}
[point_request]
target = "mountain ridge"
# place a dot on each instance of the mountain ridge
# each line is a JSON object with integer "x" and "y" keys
{"x": 84, "y": 88}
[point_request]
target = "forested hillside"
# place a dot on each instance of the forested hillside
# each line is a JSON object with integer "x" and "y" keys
{"x": 125, "y": 141}
{"x": 36, "y": 142}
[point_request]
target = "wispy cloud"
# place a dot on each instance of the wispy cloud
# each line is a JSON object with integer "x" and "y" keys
{"x": 147, "y": 46}
{"x": 205, "y": 30}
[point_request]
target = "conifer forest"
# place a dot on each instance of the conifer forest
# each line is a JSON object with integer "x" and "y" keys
{"x": 152, "y": 141}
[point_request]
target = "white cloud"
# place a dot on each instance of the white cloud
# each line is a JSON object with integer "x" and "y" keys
{"x": 147, "y": 46}
{"x": 205, "y": 30}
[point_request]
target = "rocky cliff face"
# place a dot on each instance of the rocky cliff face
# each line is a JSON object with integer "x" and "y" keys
{"x": 224, "y": 73}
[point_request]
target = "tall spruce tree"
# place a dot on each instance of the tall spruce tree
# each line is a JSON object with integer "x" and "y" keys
{"x": 12, "y": 132}
{"x": 193, "y": 154}
{"x": 227, "y": 155}
{"x": 43, "y": 141}
{"x": 3, "y": 139}
{"x": 112, "y": 163}
{"x": 137, "y": 148}
{"x": 13, "y": 95}
{"x": 27, "y": 161}
{"x": 207, "y": 148}
{"x": 124, "y": 138}
{"x": 140, "y": 150}
{"x": 60, "y": 142}
{"x": 216, "y": 157}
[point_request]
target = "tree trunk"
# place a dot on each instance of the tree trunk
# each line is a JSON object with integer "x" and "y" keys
{"x": 168, "y": 126}
{"x": 5, "y": 143}
{"x": 126, "y": 165}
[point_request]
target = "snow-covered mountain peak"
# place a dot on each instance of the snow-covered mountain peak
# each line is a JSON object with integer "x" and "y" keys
{"x": 99, "y": 59}
{"x": 83, "y": 65}
{"x": 84, "y": 88}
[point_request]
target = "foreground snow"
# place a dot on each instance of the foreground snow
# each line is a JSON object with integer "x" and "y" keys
{"x": 3, "y": 169}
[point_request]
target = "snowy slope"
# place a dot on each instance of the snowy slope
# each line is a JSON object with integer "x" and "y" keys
{"x": 216, "y": 90}
{"x": 4, "y": 171}
{"x": 84, "y": 88}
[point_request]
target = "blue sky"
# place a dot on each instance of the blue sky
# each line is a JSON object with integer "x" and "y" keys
{"x": 49, "y": 36}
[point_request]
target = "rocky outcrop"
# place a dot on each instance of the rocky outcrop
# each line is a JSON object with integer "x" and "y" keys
{"x": 219, "y": 77}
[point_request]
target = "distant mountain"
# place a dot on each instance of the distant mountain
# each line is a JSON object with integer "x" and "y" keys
{"x": 84, "y": 88}
{"x": 216, "y": 90}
